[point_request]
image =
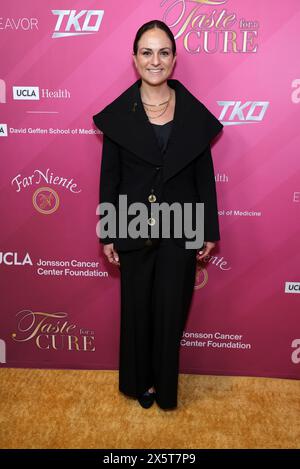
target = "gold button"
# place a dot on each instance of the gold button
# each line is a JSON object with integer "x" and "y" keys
{"x": 151, "y": 221}
{"x": 152, "y": 198}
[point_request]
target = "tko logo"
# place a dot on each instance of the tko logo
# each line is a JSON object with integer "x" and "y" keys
{"x": 236, "y": 113}
{"x": 79, "y": 22}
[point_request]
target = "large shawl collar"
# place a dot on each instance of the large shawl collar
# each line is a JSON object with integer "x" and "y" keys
{"x": 124, "y": 120}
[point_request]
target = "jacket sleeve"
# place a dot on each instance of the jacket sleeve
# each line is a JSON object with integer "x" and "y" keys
{"x": 110, "y": 176}
{"x": 206, "y": 187}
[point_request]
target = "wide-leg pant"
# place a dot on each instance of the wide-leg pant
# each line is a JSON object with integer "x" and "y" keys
{"x": 157, "y": 284}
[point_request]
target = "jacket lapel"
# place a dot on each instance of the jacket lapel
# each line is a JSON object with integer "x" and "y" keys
{"x": 124, "y": 120}
{"x": 194, "y": 126}
{"x": 143, "y": 134}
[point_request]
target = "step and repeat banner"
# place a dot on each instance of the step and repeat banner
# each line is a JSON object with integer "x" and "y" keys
{"x": 61, "y": 63}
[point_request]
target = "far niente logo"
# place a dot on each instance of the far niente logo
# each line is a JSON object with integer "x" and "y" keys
{"x": 45, "y": 200}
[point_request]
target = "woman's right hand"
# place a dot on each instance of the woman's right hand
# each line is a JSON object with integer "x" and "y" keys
{"x": 111, "y": 254}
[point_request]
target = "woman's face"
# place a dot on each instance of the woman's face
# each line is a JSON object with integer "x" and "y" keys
{"x": 154, "y": 60}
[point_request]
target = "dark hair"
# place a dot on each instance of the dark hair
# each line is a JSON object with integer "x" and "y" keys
{"x": 151, "y": 25}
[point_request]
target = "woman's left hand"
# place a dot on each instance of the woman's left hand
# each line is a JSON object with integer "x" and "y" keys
{"x": 208, "y": 246}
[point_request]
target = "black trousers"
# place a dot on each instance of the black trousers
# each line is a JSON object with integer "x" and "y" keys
{"x": 157, "y": 284}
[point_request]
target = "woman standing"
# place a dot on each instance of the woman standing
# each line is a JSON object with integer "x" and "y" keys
{"x": 156, "y": 148}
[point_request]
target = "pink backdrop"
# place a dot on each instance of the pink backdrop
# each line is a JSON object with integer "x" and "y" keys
{"x": 59, "y": 297}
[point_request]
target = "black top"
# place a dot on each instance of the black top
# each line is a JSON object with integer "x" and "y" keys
{"x": 162, "y": 133}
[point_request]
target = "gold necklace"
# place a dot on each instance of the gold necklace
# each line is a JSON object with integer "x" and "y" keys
{"x": 156, "y": 105}
{"x": 156, "y": 117}
{"x": 161, "y": 104}
{"x": 157, "y": 110}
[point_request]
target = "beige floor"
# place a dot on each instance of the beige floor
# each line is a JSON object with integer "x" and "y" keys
{"x": 84, "y": 409}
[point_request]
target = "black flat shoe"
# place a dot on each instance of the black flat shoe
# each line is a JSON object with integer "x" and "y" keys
{"x": 146, "y": 400}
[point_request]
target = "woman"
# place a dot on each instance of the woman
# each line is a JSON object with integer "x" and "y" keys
{"x": 156, "y": 148}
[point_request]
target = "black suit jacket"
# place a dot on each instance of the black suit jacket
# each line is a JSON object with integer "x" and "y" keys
{"x": 133, "y": 164}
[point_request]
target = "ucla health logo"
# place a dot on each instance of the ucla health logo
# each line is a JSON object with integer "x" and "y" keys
{"x": 26, "y": 92}
{"x": 292, "y": 287}
{"x": 32, "y": 93}
{"x": 72, "y": 23}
